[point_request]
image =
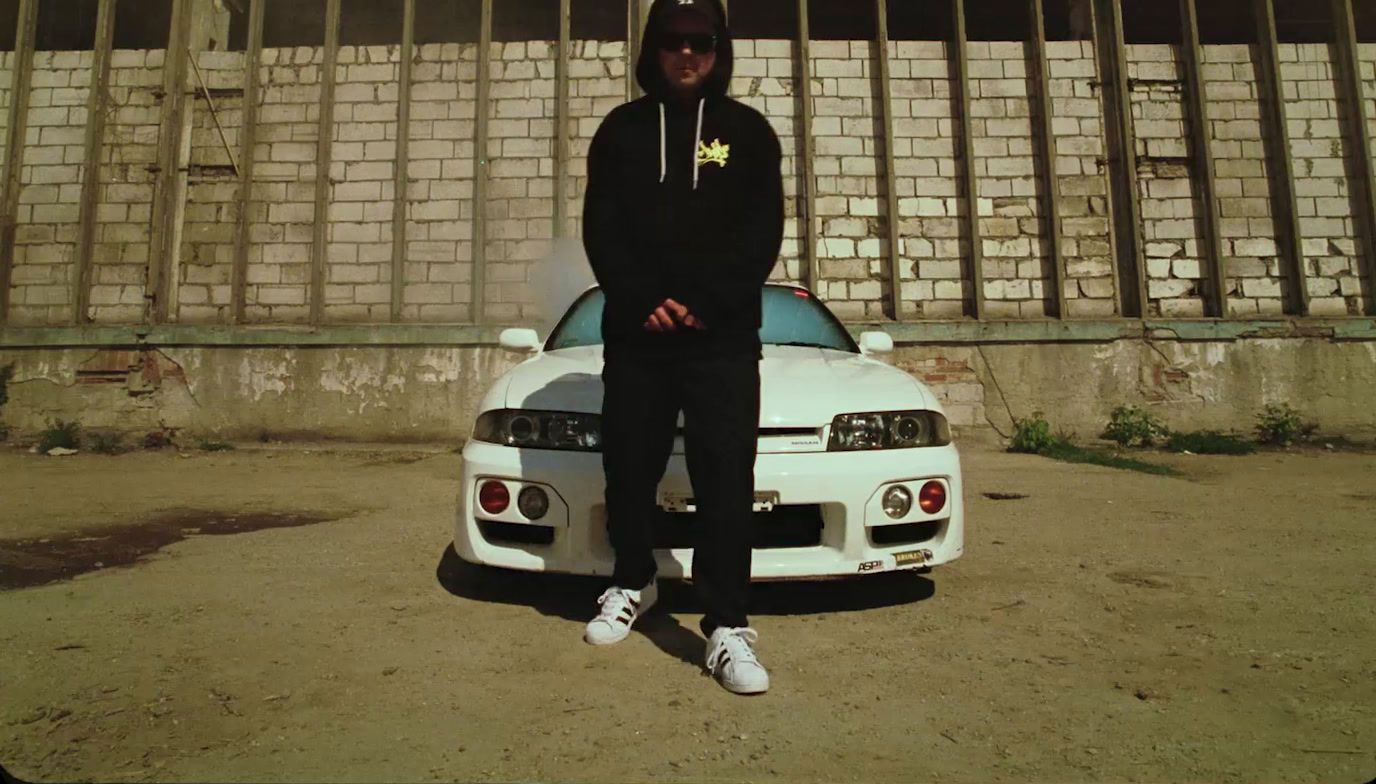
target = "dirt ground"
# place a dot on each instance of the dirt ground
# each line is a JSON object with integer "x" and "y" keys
{"x": 1110, "y": 626}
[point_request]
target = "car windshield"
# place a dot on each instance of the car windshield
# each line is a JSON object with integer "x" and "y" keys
{"x": 791, "y": 317}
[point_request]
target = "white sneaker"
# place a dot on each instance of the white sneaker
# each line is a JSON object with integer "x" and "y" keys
{"x": 620, "y": 609}
{"x": 732, "y": 661}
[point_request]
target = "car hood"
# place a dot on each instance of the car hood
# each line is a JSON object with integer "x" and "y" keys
{"x": 799, "y": 387}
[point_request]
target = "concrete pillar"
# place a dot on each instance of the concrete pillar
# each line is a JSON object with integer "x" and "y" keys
{"x": 194, "y": 23}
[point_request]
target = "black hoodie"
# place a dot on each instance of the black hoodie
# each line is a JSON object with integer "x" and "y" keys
{"x": 674, "y": 212}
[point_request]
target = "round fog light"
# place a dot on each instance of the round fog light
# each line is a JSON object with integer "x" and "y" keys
{"x": 533, "y": 503}
{"x": 932, "y": 499}
{"x": 493, "y": 497}
{"x": 898, "y": 501}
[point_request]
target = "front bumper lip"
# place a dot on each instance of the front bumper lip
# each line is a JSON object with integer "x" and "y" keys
{"x": 846, "y": 485}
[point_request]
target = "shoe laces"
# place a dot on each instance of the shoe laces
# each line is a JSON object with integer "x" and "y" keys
{"x": 613, "y": 601}
{"x": 736, "y": 642}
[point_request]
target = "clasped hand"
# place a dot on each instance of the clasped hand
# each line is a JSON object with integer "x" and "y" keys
{"x": 671, "y": 315}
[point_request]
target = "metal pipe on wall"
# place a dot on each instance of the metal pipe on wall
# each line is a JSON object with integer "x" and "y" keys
{"x": 1046, "y": 139}
{"x": 21, "y": 78}
{"x": 808, "y": 192}
{"x": 1121, "y": 134}
{"x": 167, "y": 210}
{"x": 480, "y": 163}
{"x": 894, "y": 236}
{"x": 1354, "y": 89}
{"x": 96, "y": 102}
{"x": 324, "y": 161}
{"x": 969, "y": 177}
{"x": 1201, "y": 137}
{"x": 561, "y": 121}
{"x": 247, "y": 146}
{"x": 401, "y": 183}
{"x": 1276, "y": 122}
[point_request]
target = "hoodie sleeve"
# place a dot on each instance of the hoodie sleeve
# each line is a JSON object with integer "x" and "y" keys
{"x": 632, "y": 287}
{"x": 750, "y": 259}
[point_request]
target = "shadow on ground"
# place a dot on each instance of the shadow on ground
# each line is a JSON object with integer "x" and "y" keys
{"x": 574, "y": 598}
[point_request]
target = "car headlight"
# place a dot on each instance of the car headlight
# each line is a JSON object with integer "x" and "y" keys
{"x": 540, "y": 430}
{"x": 888, "y": 430}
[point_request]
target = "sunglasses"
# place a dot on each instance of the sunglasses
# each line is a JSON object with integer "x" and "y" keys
{"x": 699, "y": 43}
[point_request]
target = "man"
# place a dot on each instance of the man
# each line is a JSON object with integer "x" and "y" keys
{"x": 683, "y": 222}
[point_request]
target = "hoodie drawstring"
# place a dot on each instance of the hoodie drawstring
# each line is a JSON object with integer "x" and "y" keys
{"x": 664, "y": 143}
{"x": 697, "y": 142}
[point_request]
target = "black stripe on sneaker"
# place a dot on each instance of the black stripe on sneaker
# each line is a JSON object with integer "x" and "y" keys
{"x": 627, "y": 617}
{"x": 723, "y": 661}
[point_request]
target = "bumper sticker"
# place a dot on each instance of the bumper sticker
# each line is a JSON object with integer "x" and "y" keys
{"x": 912, "y": 558}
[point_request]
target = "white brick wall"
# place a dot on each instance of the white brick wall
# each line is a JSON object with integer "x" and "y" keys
{"x": 931, "y": 204}
{"x": 1174, "y": 248}
{"x": 597, "y": 84}
{"x": 847, "y": 165}
{"x": 358, "y": 266}
{"x": 520, "y": 207}
{"x": 1242, "y": 175}
{"x": 519, "y": 210}
{"x": 282, "y": 205}
{"x": 1017, "y": 265}
{"x": 439, "y": 227}
{"x": 50, "y": 188}
{"x": 6, "y": 75}
{"x": 1077, "y": 125}
{"x": 1366, "y": 53}
{"x": 1366, "y": 56}
{"x": 128, "y": 154}
{"x": 207, "y": 251}
{"x": 767, "y": 79}
{"x": 1327, "y": 224}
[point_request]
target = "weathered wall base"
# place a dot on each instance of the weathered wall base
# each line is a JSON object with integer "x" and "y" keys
{"x": 410, "y": 394}
{"x": 1188, "y": 385}
{"x": 419, "y": 393}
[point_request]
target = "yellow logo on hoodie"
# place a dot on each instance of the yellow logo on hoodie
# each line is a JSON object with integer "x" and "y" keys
{"x": 718, "y": 153}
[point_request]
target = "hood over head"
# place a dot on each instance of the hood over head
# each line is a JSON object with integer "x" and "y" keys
{"x": 647, "y": 72}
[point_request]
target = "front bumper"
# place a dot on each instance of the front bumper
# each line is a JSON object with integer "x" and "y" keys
{"x": 846, "y": 486}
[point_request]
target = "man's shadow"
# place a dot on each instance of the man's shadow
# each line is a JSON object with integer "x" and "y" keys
{"x": 573, "y": 598}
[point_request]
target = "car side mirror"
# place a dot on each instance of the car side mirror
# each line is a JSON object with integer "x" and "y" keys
{"x": 875, "y": 343}
{"x": 520, "y": 341}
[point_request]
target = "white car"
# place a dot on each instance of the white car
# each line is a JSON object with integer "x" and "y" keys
{"x": 856, "y": 471}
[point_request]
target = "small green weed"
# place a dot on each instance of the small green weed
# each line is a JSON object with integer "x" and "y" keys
{"x": 1032, "y": 435}
{"x": 1132, "y": 426}
{"x": 1210, "y": 442}
{"x": 215, "y": 446}
{"x": 60, "y": 435}
{"x": 1282, "y": 425}
{"x": 105, "y": 442}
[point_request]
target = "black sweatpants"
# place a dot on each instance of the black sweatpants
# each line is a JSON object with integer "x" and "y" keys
{"x": 720, "y": 401}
